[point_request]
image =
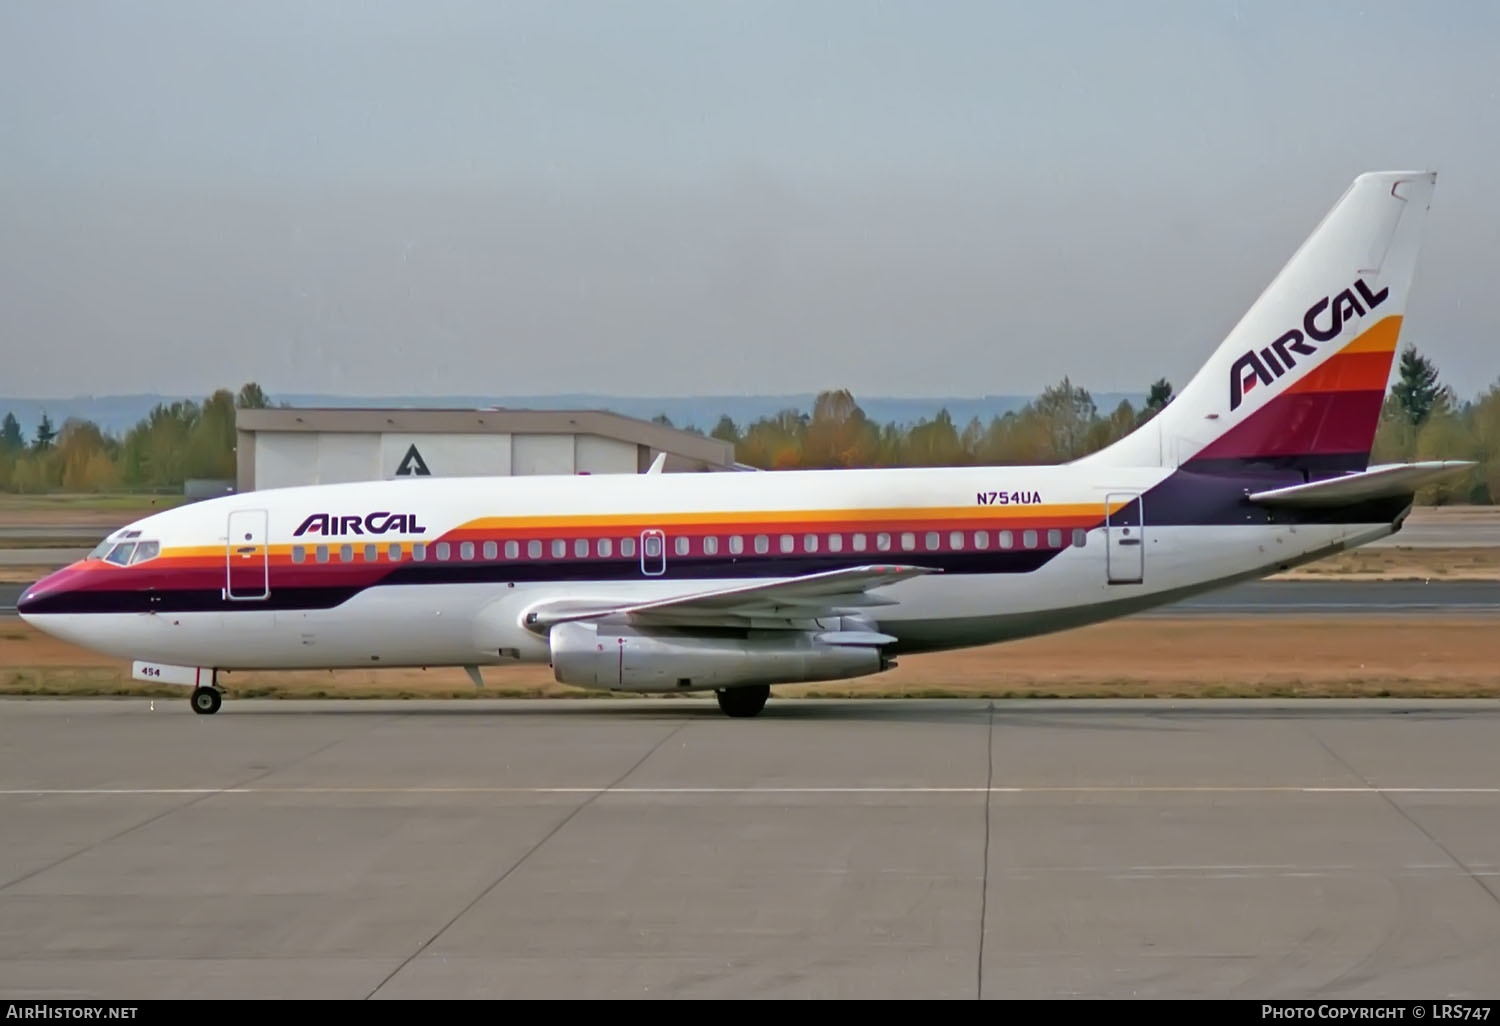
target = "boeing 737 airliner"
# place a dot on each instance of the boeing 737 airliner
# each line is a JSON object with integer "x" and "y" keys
{"x": 734, "y": 582}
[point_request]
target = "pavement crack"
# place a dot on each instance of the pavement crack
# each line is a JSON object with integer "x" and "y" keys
{"x": 984, "y": 889}
{"x": 526, "y": 855}
{"x": 247, "y": 781}
{"x": 1439, "y": 845}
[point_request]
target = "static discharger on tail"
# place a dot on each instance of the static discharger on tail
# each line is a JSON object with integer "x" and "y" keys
{"x": 733, "y": 583}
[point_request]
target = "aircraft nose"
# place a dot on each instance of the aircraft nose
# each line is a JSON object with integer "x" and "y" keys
{"x": 43, "y": 593}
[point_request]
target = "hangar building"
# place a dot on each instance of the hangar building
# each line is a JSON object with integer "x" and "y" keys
{"x": 278, "y": 448}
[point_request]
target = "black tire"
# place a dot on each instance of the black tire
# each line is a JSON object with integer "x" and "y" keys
{"x": 744, "y": 702}
{"x": 206, "y": 701}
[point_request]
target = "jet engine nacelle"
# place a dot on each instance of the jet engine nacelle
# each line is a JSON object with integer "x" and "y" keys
{"x": 622, "y": 658}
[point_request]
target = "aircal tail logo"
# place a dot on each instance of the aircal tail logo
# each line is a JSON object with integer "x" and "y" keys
{"x": 1324, "y": 320}
{"x": 333, "y": 526}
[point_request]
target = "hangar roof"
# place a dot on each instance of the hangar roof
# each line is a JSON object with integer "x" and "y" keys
{"x": 691, "y": 451}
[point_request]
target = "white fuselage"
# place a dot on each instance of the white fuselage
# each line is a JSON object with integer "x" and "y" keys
{"x": 308, "y": 608}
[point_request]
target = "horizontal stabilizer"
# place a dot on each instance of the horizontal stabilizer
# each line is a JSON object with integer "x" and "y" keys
{"x": 811, "y": 595}
{"x": 1380, "y": 482}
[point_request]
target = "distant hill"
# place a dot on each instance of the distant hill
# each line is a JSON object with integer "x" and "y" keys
{"x": 117, "y": 414}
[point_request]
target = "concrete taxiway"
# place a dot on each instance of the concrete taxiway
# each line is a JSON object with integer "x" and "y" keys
{"x": 653, "y": 848}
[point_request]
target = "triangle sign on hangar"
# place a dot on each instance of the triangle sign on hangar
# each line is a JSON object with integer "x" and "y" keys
{"x": 412, "y": 464}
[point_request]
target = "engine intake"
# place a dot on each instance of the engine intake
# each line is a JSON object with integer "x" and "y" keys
{"x": 622, "y": 658}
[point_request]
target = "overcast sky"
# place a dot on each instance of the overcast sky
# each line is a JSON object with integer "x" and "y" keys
{"x": 928, "y": 198}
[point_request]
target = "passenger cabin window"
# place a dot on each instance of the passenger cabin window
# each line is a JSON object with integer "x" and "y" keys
{"x": 491, "y": 550}
{"x": 299, "y": 554}
{"x": 682, "y": 544}
{"x": 346, "y": 553}
{"x": 883, "y": 542}
{"x": 835, "y": 543}
{"x": 1080, "y": 537}
{"x": 466, "y": 551}
{"x": 762, "y": 544}
{"x": 627, "y": 547}
{"x": 394, "y": 552}
{"x": 534, "y": 549}
{"x": 981, "y": 539}
{"x": 787, "y": 543}
{"x": 1028, "y": 539}
{"x": 512, "y": 549}
{"x": 605, "y": 547}
{"x": 419, "y": 551}
{"x": 908, "y": 540}
{"x": 736, "y": 544}
{"x": 859, "y": 543}
{"x": 932, "y": 540}
{"x": 559, "y": 548}
{"x": 1007, "y": 540}
{"x": 322, "y": 553}
{"x": 710, "y": 545}
{"x": 372, "y": 553}
{"x": 810, "y": 543}
{"x": 652, "y": 546}
{"x": 442, "y": 550}
{"x": 581, "y": 547}
{"x": 1054, "y": 538}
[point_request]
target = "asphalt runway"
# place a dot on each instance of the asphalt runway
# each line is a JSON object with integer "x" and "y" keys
{"x": 827, "y": 849}
{"x": 71, "y": 532}
{"x": 1257, "y": 598}
{"x": 52, "y": 558}
{"x": 1420, "y": 534}
{"x": 1266, "y": 597}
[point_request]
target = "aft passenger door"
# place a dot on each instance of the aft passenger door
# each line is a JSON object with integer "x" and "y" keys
{"x": 1125, "y": 538}
{"x": 247, "y": 557}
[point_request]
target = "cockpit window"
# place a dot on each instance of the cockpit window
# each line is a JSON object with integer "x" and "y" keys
{"x": 126, "y": 553}
{"x": 120, "y": 554}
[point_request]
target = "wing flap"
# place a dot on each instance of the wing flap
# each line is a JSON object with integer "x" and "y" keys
{"x": 1379, "y": 482}
{"x": 811, "y": 595}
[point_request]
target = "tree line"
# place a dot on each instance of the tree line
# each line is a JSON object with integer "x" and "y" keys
{"x": 1421, "y": 419}
{"x": 172, "y": 444}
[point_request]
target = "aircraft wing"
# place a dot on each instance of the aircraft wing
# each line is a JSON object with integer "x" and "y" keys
{"x": 808, "y": 596}
{"x": 1379, "y": 482}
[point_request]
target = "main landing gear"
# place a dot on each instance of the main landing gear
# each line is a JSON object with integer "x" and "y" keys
{"x": 745, "y": 701}
{"x": 206, "y": 701}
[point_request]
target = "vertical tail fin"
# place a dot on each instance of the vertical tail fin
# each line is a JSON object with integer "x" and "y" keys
{"x": 1299, "y": 382}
